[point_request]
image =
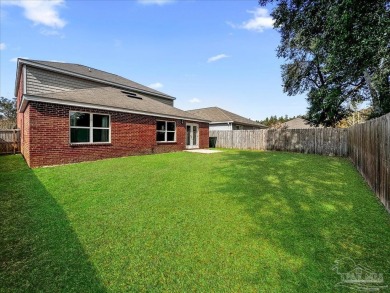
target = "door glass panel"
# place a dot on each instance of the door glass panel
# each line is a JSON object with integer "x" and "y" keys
{"x": 194, "y": 135}
{"x": 188, "y": 135}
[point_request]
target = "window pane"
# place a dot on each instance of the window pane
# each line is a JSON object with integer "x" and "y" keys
{"x": 79, "y": 119}
{"x": 160, "y": 125}
{"x": 79, "y": 135}
{"x": 170, "y": 136}
{"x": 160, "y": 136}
{"x": 100, "y": 135}
{"x": 171, "y": 126}
{"x": 100, "y": 120}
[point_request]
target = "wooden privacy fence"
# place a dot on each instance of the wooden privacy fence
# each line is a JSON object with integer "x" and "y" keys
{"x": 367, "y": 145}
{"x": 9, "y": 141}
{"x": 369, "y": 150}
{"x": 323, "y": 141}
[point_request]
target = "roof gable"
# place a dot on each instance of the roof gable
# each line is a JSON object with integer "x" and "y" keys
{"x": 298, "y": 123}
{"x": 89, "y": 73}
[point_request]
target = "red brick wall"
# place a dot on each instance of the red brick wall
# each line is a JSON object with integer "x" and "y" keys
{"x": 131, "y": 134}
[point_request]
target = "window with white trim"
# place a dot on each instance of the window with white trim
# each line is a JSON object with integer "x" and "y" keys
{"x": 166, "y": 131}
{"x": 89, "y": 127}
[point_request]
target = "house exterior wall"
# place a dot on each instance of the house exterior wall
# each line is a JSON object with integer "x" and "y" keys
{"x": 131, "y": 134}
{"x": 237, "y": 126}
{"x": 44, "y": 81}
{"x": 220, "y": 126}
{"x": 20, "y": 121}
{"x": 234, "y": 126}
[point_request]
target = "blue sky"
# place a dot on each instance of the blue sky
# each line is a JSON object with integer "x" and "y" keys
{"x": 204, "y": 53}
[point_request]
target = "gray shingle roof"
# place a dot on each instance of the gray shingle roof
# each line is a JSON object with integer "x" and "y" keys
{"x": 116, "y": 98}
{"x": 215, "y": 114}
{"x": 97, "y": 74}
{"x": 297, "y": 123}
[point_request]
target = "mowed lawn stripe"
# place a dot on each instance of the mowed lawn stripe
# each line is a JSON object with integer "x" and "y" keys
{"x": 237, "y": 221}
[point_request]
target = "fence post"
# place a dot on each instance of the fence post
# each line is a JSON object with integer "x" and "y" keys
{"x": 14, "y": 141}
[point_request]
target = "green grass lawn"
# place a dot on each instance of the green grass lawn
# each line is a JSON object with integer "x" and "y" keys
{"x": 236, "y": 221}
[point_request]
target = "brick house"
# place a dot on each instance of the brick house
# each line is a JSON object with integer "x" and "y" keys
{"x": 72, "y": 113}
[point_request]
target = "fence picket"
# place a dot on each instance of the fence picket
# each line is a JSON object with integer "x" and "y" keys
{"x": 367, "y": 145}
{"x": 9, "y": 141}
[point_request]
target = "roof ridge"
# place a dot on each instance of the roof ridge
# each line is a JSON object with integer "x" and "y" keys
{"x": 224, "y": 113}
{"x": 89, "y": 67}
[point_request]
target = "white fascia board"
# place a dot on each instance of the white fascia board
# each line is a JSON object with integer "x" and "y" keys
{"x": 24, "y": 72}
{"x": 17, "y": 78}
{"x": 94, "y": 79}
{"x": 222, "y": 122}
{"x": 27, "y": 98}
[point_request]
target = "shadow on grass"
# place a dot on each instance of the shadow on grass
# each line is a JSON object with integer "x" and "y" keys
{"x": 39, "y": 250}
{"x": 308, "y": 211}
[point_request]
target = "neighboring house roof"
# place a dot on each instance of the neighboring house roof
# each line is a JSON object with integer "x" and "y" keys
{"x": 218, "y": 115}
{"x": 297, "y": 123}
{"x": 87, "y": 72}
{"x": 113, "y": 99}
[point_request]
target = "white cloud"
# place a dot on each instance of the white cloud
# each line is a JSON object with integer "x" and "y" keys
{"x": 217, "y": 57}
{"x": 195, "y": 101}
{"x": 155, "y": 2}
{"x": 2, "y": 46}
{"x": 15, "y": 59}
{"x": 260, "y": 21}
{"x": 156, "y": 85}
{"x": 41, "y": 11}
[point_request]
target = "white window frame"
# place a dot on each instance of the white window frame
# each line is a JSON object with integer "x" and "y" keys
{"x": 166, "y": 131}
{"x": 91, "y": 128}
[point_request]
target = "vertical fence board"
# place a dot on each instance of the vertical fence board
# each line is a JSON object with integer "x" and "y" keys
{"x": 323, "y": 141}
{"x": 9, "y": 141}
{"x": 367, "y": 145}
{"x": 369, "y": 150}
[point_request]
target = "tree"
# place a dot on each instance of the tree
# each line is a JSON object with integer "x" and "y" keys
{"x": 8, "y": 109}
{"x": 337, "y": 52}
{"x": 275, "y": 122}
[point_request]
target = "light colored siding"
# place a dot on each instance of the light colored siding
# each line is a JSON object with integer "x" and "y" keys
{"x": 245, "y": 127}
{"x": 220, "y": 126}
{"x": 44, "y": 81}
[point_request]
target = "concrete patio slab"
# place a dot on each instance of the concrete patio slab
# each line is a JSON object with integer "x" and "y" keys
{"x": 203, "y": 151}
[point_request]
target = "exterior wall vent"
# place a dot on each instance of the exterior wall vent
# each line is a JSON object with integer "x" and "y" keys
{"x": 132, "y": 95}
